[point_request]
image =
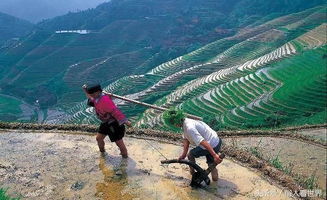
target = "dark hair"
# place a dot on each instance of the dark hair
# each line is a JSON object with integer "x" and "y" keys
{"x": 93, "y": 88}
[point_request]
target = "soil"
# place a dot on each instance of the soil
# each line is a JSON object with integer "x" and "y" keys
{"x": 53, "y": 165}
{"x": 320, "y": 134}
{"x": 302, "y": 158}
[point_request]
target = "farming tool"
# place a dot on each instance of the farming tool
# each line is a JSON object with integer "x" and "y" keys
{"x": 148, "y": 105}
{"x": 140, "y": 103}
{"x": 200, "y": 175}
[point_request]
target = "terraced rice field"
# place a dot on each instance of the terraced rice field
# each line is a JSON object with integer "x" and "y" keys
{"x": 259, "y": 89}
{"x": 268, "y": 76}
{"x": 15, "y": 109}
{"x": 265, "y": 77}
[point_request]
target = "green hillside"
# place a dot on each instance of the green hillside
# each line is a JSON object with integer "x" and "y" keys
{"x": 127, "y": 37}
{"x": 151, "y": 51}
{"x": 289, "y": 91}
{"x": 12, "y": 27}
{"x": 261, "y": 77}
{"x": 13, "y": 109}
{"x": 225, "y": 13}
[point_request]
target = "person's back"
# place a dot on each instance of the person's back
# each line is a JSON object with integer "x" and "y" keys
{"x": 195, "y": 131}
{"x": 107, "y": 111}
{"x": 198, "y": 133}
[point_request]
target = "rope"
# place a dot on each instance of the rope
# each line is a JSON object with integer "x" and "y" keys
{"x": 151, "y": 145}
{"x": 156, "y": 149}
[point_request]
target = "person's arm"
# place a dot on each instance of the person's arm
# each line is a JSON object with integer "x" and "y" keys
{"x": 186, "y": 145}
{"x": 110, "y": 107}
{"x": 216, "y": 157}
{"x": 126, "y": 122}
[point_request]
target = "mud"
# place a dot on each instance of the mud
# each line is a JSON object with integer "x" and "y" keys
{"x": 301, "y": 158}
{"x": 319, "y": 134}
{"x": 50, "y": 165}
{"x": 304, "y": 135}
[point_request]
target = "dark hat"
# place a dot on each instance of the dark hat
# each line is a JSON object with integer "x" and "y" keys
{"x": 93, "y": 88}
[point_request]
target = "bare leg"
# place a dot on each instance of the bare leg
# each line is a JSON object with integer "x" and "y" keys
{"x": 100, "y": 139}
{"x": 214, "y": 174}
{"x": 122, "y": 148}
{"x": 192, "y": 159}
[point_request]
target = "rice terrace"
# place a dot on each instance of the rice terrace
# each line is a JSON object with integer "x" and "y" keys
{"x": 253, "y": 72}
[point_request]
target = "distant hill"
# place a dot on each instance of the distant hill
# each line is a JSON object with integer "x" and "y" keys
{"x": 38, "y": 10}
{"x": 185, "y": 13}
{"x": 139, "y": 38}
{"x": 12, "y": 27}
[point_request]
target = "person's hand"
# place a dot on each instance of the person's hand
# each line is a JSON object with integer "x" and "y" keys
{"x": 128, "y": 123}
{"x": 217, "y": 159}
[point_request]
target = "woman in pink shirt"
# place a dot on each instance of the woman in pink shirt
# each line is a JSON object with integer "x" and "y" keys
{"x": 112, "y": 118}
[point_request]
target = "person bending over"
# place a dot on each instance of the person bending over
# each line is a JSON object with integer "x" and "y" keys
{"x": 199, "y": 134}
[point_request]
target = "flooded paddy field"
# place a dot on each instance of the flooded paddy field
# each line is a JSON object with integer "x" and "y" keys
{"x": 54, "y": 165}
{"x": 301, "y": 158}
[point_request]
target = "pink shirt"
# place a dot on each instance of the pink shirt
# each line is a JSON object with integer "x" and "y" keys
{"x": 107, "y": 111}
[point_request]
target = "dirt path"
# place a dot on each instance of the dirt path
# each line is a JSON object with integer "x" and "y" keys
{"x": 63, "y": 166}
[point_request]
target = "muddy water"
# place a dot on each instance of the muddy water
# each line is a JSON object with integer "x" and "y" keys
{"x": 63, "y": 166}
{"x": 303, "y": 158}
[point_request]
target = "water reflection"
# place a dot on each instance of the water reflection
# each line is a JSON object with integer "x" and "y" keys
{"x": 115, "y": 181}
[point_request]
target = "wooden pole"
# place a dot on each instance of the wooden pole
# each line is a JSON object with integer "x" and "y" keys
{"x": 148, "y": 105}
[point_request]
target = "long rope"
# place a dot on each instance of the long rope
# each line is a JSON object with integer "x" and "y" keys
{"x": 151, "y": 145}
{"x": 156, "y": 149}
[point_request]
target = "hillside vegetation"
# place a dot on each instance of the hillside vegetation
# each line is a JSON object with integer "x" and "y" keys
{"x": 12, "y": 27}
{"x": 128, "y": 37}
{"x": 269, "y": 76}
{"x": 180, "y": 43}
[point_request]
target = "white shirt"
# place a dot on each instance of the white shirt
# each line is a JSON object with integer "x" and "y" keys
{"x": 197, "y": 131}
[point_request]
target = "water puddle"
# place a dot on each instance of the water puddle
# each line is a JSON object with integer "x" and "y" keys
{"x": 63, "y": 166}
